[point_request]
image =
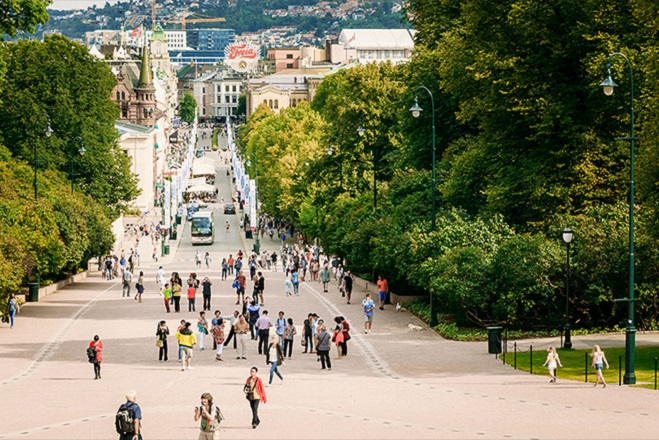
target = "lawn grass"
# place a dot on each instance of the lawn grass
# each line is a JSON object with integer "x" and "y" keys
{"x": 576, "y": 362}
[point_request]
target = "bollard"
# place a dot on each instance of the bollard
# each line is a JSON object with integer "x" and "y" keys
{"x": 585, "y": 369}
{"x": 531, "y": 359}
{"x": 619, "y": 370}
{"x": 504, "y": 355}
{"x": 655, "y": 373}
{"x": 515, "y": 356}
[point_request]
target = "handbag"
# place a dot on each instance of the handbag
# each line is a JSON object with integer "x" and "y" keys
{"x": 249, "y": 392}
{"x": 159, "y": 343}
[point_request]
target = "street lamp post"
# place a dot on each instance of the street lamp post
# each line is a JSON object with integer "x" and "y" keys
{"x": 257, "y": 243}
{"x": 330, "y": 152}
{"x": 567, "y": 238}
{"x": 608, "y": 86}
{"x": 361, "y": 131}
{"x": 81, "y": 151}
{"x": 48, "y": 131}
{"x": 416, "y": 112}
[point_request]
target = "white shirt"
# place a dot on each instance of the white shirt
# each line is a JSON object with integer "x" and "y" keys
{"x": 160, "y": 276}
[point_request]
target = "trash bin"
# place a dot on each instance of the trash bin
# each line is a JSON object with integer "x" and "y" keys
{"x": 179, "y": 219}
{"x": 33, "y": 295}
{"x": 494, "y": 340}
{"x": 166, "y": 249}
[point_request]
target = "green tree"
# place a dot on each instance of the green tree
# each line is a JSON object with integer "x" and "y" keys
{"x": 60, "y": 78}
{"x": 188, "y": 108}
{"x": 22, "y": 15}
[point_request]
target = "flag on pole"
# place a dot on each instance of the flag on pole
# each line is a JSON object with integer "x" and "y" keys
{"x": 137, "y": 32}
{"x": 354, "y": 35}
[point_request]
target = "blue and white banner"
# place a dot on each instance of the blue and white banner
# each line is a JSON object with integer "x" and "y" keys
{"x": 252, "y": 203}
{"x": 167, "y": 203}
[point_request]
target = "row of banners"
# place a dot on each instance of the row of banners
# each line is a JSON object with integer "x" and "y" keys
{"x": 179, "y": 181}
{"x": 245, "y": 185}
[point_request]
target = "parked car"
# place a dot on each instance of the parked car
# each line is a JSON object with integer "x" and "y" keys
{"x": 229, "y": 208}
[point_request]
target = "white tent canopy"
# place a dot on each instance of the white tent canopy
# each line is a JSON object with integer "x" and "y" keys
{"x": 202, "y": 187}
{"x": 202, "y": 169}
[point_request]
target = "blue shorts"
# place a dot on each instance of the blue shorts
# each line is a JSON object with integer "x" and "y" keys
{"x": 382, "y": 296}
{"x": 599, "y": 366}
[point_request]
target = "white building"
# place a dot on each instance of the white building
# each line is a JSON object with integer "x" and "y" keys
{"x": 217, "y": 93}
{"x": 372, "y": 45}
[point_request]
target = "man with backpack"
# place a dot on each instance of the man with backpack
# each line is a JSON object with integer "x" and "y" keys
{"x": 128, "y": 419}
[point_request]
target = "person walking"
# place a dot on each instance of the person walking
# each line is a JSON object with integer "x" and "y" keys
{"x": 192, "y": 293}
{"x": 288, "y": 285}
{"x": 275, "y": 358}
{"x": 217, "y": 331}
{"x": 598, "y": 359}
{"x": 289, "y": 336}
{"x": 167, "y": 293}
{"x": 347, "y": 285}
{"x": 140, "y": 287}
{"x": 210, "y": 416}
{"x": 255, "y": 393}
{"x": 254, "y": 312}
{"x": 260, "y": 287}
{"x": 12, "y": 309}
{"x": 263, "y": 325}
{"x": 242, "y": 281}
{"x": 186, "y": 340}
{"x": 295, "y": 280}
{"x": 308, "y": 334}
{"x": 280, "y": 327}
{"x": 345, "y": 328}
{"x": 128, "y": 421}
{"x": 230, "y": 263}
{"x": 273, "y": 258}
{"x": 160, "y": 278}
{"x": 241, "y": 328}
{"x": 162, "y": 332}
{"x": 368, "y": 305}
{"x": 552, "y": 362}
{"x": 232, "y": 331}
{"x": 206, "y": 292}
{"x": 197, "y": 259}
{"x": 202, "y": 329}
{"x": 325, "y": 277}
{"x": 323, "y": 348}
{"x": 207, "y": 260}
{"x": 225, "y": 268}
{"x": 127, "y": 278}
{"x": 176, "y": 296}
{"x": 97, "y": 345}
{"x": 383, "y": 290}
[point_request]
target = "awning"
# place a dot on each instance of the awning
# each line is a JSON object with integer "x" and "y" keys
{"x": 204, "y": 187}
{"x": 201, "y": 169}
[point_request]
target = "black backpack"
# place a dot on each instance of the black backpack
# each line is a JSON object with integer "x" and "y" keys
{"x": 91, "y": 355}
{"x": 123, "y": 420}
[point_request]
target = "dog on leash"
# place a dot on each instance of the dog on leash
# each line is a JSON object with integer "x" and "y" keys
{"x": 414, "y": 328}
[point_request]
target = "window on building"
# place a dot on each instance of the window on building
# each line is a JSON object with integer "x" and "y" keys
{"x": 233, "y": 88}
{"x": 289, "y": 56}
{"x": 226, "y": 89}
{"x": 226, "y": 99}
{"x": 219, "y": 88}
{"x": 234, "y": 99}
{"x": 270, "y": 103}
{"x": 124, "y": 113}
{"x": 144, "y": 113}
{"x": 118, "y": 95}
{"x": 276, "y": 103}
{"x": 289, "y": 65}
{"x": 123, "y": 96}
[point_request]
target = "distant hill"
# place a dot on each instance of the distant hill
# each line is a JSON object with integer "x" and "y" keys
{"x": 305, "y": 16}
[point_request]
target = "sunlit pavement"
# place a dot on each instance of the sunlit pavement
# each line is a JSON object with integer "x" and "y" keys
{"x": 394, "y": 383}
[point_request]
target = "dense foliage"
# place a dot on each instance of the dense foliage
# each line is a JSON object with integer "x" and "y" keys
{"x": 526, "y": 145}
{"x": 56, "y": 84}
{"x": 187, "y": 109}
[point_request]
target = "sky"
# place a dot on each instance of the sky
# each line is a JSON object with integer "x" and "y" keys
{"x": 78, "y": 4}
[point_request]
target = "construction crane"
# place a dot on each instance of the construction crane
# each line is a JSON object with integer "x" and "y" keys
{"x": 184, "y": 18}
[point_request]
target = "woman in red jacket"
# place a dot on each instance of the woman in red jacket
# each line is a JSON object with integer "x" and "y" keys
{"x": 97, "y": 345}
{"x": 255, "y": 393}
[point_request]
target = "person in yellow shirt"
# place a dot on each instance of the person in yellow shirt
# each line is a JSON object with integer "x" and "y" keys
{"x": 176, "y": 294}
{"x": 186, "y": 340}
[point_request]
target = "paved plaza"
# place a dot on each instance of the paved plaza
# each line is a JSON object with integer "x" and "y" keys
{"x": 395, "y": 384}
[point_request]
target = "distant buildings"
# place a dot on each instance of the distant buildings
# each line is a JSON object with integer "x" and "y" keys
{"x": 371, "y": 45}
